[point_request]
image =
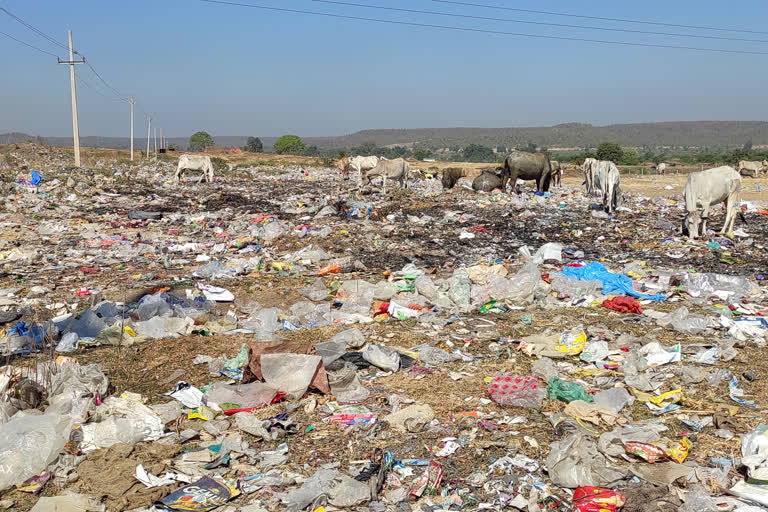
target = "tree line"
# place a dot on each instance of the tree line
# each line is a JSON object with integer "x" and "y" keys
{"x": 479, "y": 153}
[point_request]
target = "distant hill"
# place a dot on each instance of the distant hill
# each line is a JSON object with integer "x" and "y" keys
{"x": 687, "y": 134}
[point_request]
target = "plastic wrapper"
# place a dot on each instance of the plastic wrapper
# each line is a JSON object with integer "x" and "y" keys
{"x": 204, "y": 495}
{"x": 597, "y": 499}
{"x": 698, "y": 500}
{"x": 517, "y": 391}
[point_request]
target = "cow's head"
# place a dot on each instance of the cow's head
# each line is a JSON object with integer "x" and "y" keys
{"x": 691, "y": 224}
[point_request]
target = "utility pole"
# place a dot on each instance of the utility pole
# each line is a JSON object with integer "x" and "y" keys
{"x": 132, "y": 101}
{"x": 155, "y": 139}
{"x": 161, "y": 138}
{"x": 75, "y": 127}
{"x": 149, "y": 131}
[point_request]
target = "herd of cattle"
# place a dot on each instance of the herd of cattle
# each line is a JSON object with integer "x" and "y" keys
{"x": 703, "y": 190}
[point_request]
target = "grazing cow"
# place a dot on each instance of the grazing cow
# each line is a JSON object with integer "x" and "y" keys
{"x": 661, "y": 168}
{"x": 607, "y": 178}
{"x": 487, "y": 181}
{"x": 396, "y": 169}
{"x": 363, "y": 163}
{"x": 527, "y": 166}
{"x": 557, "y": 173}
{"x": 752, "y": 169}
{"x": 589, "y": 167}
{"x": 195, "y": 163}
{"x": 451, "y": 175}
{"x": 708, "y": 188}
{"x": 342, "y": 164}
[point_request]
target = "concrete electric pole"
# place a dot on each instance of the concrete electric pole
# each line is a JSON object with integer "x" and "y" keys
{"x": 75, "y": 127}
{"x": 149, "y": 131}
{"x": 132, "y": 101}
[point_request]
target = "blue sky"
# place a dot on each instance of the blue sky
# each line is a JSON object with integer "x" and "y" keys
{"x": 240, "y": 71}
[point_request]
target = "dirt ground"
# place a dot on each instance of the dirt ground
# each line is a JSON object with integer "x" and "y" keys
{"x": 405, "y": 227}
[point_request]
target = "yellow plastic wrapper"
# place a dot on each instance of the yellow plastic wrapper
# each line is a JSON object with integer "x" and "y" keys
{"x": 679, "y": 450}
{"x": 572, "y": 342}
{"x": 201, "y": 413}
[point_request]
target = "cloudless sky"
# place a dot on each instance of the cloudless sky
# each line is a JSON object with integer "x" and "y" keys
{"x": 241, "y": 71}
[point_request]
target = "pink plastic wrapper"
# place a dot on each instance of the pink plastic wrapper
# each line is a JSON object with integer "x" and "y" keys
{"x": 517, "y": 391}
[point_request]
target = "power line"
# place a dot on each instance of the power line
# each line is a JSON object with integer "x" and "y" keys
{"x": 33, "y": 29}
{"x": 622, "y": 20}
{"x": 484, "y": 31}
{"x": 29, "y": 45}
{"x": 121, "y": 96}
{"x": 539, "y": 23}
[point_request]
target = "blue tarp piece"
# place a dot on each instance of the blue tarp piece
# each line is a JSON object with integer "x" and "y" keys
{"x": 612, "y": 283}
{"x": 36, "y": 179}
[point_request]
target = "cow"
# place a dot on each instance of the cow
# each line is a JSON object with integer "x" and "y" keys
{"x": 752, "y": 169}
{"x": 450, "y": 176}
{"x": 363, "y": 163}
{"x": 557, "y": 173}
{"x": 607, "y": 178}
{"x": 342, "y": 164}
{"x": 589, "y": 167}
{"x": 661, "y": 168}
{"x": 397, "y": 169}
{"x": 195, "y": 163}
{"x": 488, "y": 181}
{"x": 527, "y": 166}
{"x": 706, "y": 189}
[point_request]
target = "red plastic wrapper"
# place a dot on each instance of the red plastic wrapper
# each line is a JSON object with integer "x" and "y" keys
{"x": 623, "y": 305}
{"x": 428, "y": 481}
{"x": 597, "y": 499}
{"x": 646, "y": 451}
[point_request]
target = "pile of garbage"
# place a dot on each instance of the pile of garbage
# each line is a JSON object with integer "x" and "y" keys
{"x": 304, "y": 348}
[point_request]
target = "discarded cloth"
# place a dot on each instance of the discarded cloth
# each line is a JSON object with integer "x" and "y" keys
{"x": 623, "y": 305}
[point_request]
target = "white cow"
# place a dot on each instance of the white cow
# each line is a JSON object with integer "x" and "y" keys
{"x": 708, "y": 188}
{"x": 589, "y": 167}
{"x": 195, "y": 163}
{"x": 607, "y": 178}
{"x": 661, "y": 168}
{"x": 397, "y": 169}
{"x": 753, "y": 169}
{"x": 363, "y": 163}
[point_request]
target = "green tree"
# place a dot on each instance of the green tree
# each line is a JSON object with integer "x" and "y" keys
{"x": 199, "y": 141}
{"x": 478, "y": 153}
{"x": 610, "y": 151}
{"x": 254, "y": 145}
{"x": 421, "y": 153}
{"x": 366, "y": 149}
{"x": 311, "y": 151}
{"x": 291, "y": 144}
{"x": 629, "y": 157}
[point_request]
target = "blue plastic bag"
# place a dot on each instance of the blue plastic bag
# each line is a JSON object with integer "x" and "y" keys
{"x": 36, "y": 179}
{"x": 612, "y": 283}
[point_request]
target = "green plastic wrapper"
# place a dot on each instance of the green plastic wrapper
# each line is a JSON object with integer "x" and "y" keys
{"x": 567, "y": 391}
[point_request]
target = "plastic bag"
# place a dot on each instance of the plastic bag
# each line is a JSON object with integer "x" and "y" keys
{"x": 244, "y": 396}
{"x": 345, "y": 385}
{"x": 316, "y": 292}
{"x": 122, "y": 420}
{"x": 575, "y": 462}
{"x": 517, "y": 391}
{"x": 290, "y": 373}
{"x": 698, "y": 500}
{"x": 29, "y": 444}
{"x": 682, "y": 320}
{"x": 567, "y": 391}
{"x": 352, "y": 337}
{"x": 382, "y": 357}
